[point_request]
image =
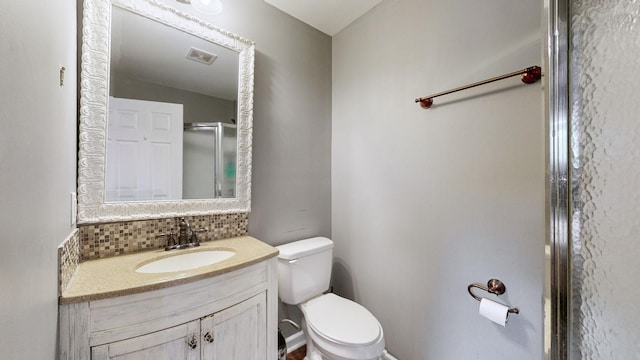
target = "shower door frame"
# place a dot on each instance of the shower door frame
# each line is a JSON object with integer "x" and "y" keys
{"x": 557, "y": 323}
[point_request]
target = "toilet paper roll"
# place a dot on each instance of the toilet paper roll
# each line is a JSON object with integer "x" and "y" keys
{"x": 494, "y": 311}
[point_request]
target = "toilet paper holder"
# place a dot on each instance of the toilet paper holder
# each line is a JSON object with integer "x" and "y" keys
{"x": 494, "y": 286}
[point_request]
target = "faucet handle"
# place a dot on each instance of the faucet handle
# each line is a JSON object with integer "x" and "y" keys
{"x": 194, "y": 235}
{"x": 170, "y": 236}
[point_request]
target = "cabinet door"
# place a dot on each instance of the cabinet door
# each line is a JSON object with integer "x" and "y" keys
{"x": 181, "y": 342}
{"x": 237, "y": 333}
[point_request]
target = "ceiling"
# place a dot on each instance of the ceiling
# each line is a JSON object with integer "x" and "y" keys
{"x": 328, "y": 16}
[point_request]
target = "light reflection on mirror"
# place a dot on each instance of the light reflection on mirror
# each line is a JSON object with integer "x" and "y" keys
{"x": 160, "y": 87}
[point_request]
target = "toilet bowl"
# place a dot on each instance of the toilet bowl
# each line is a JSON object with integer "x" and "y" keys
{"x": 341, "y": 329}
{"x": 335, "y": 328}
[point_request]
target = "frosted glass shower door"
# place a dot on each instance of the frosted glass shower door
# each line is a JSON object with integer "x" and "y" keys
{"x": 604, "y": 161}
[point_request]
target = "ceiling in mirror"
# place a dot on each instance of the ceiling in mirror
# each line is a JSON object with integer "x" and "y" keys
{"x": 179, "y": 60}
{"x": 155, "y": 44}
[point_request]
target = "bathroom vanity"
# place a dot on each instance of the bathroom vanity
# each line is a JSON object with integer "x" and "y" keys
{"x": 227, "y": 310}
{"x": 224, "y": 310}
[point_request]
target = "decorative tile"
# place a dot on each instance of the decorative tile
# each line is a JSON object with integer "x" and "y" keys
{"x": 112, "y": 239}
{"x": 68, "y": 259}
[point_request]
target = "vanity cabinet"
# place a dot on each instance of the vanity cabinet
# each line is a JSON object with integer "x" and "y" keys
{"x": 172, "y": 343}
{"x": 233, "y": 333}
{"x": 228, "y": 316}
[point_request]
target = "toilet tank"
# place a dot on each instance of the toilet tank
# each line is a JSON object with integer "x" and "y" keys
{"x": 304, "y": 269}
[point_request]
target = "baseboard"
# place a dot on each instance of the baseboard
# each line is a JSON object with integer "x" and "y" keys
{"x": 295, "y": 341}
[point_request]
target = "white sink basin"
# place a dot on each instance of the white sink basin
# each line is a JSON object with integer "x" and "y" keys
{"x": 188, "y": 261}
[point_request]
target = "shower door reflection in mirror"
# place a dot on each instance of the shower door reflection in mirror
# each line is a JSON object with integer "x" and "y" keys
{"x": 205, "y": 178}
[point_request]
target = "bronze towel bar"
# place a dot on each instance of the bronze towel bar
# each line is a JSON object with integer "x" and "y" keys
{"x": 529, "y": 76}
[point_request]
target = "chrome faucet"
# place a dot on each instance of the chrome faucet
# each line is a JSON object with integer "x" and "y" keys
{"x": 186, "y": 237}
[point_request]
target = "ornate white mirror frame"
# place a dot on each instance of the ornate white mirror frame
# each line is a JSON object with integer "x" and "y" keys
{"x": 94, "y": 95}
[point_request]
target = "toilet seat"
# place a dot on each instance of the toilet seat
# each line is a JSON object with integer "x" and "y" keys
{"x": 341, "y": 321}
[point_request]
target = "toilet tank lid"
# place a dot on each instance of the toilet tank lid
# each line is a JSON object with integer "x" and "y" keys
{"x": 301, "y": 248}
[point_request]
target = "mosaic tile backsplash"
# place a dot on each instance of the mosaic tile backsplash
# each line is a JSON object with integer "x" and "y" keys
{"x": 105, "y": 240}
{"x": 97, "y": 241}
{"x": 68, "y": 259}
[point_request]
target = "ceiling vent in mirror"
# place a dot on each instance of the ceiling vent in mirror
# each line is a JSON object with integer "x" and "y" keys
{"x": 201, "y": 56}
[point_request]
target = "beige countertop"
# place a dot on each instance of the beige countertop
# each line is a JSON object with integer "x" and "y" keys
{"x": 117, "y": 276}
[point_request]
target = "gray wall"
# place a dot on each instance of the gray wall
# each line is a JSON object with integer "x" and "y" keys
{"x": 425, "y": 202}
{"x": 291, "y": 180}
{"x": 197, "y": 107}
{"x": 38, "y": 162}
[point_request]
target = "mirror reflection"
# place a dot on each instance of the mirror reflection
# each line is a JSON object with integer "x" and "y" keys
{"x": 172, "y": 113}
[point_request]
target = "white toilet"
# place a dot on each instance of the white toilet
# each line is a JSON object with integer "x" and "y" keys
{"x": 335, "y": 328}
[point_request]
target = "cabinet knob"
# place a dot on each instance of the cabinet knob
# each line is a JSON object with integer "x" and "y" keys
{"x": 193, "y": 342}
{"x": 208, "y": 337}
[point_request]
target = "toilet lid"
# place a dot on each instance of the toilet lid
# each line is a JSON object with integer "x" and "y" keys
{"x": 342, "y": 321}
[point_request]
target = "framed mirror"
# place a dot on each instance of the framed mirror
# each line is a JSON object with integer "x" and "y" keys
{"x": 162, "y": 132}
